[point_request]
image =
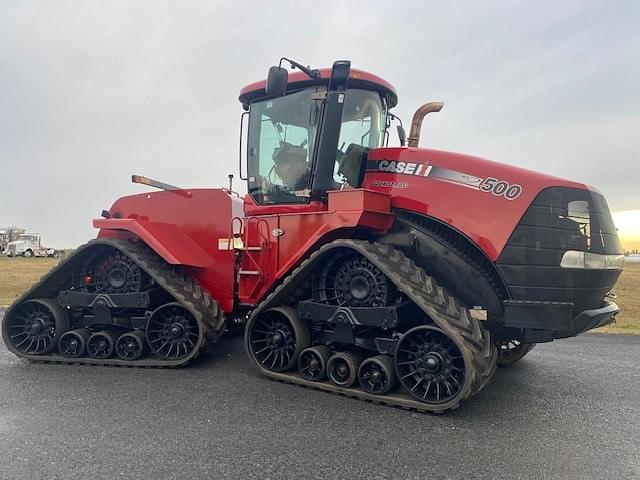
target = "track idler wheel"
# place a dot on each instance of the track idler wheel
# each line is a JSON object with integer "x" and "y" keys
{"x": 511, "y": 351}
{"x": 430, "y": 365}
{"x": 312, "y": 362}
{"x": 342, "y": 368}
{"x": 73, "y": 344}
{"x": 376, "y": 375}
{"x": 101, "y": 344}
{"x": 131, "y": 345}
{"x": 33, "y": 327}
{"x": 276, "y": 337}
{"x": 172, "y": 332}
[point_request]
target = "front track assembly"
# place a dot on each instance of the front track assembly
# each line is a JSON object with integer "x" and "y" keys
{"x": 442, "y": 359}
{"x": 113, "y": 302}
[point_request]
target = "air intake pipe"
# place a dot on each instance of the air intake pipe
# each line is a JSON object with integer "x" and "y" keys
{"x": 416, "y": 123}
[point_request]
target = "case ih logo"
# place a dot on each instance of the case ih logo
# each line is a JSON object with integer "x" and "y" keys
{"x": 495, "y": 186}
{"x": 405, "y": 168}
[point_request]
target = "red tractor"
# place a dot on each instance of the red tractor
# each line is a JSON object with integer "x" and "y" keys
{"x": 401, "y": 275}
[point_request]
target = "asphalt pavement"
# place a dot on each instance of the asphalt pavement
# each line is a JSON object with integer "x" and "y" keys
{"x": 569, "y": 410}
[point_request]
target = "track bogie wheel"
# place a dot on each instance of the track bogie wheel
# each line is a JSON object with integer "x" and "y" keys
{"x": 101, "y": 344}
{"x": 276, "y": 337}
{"x": 33, "y": 327}
{"x": 73, "y": 344}
{"x": 511, "y": 351}
{"x": 172, "y": 332}
{"x": 312, "y": 362}
{"x": 376, "y": 375}
{"x": 342, "y": 368}
{"x": 131, "y": 345}
{"x": 430, "y": 365}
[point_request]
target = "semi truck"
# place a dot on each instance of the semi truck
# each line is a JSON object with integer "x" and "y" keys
{"x": 30, "y": 245}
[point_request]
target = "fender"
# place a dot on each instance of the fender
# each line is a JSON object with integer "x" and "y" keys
{"x": 167, "y": 240}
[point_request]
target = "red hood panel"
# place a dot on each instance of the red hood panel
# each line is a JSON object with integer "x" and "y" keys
{"x": 481, "y": 198}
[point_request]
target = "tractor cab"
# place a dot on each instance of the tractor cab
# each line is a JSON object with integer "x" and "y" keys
{"x": 308, "y": 133}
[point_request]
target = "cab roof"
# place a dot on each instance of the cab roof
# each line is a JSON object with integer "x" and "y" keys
{"x": 298, "y": 80}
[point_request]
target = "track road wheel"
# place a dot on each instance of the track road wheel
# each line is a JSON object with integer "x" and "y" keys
{"x": 312, "y": 362}
{"x": 73, "y": 344}
{"x": 33, "y": 327}
{"x": 275, "y": 338}
{"x": 101, "y": 344}
{"x": 511, "y": 351}
{"x": 342, "y": 368}
{"x": 131, "y": 345}
{"x": 431, "y": 366}
{"x": 172, "y": 331}
{"x": 376, "y": 375}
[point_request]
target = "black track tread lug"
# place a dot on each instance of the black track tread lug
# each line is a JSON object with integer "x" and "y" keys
{"x": 185, "y": 289}
{"x": 444, "y": 309}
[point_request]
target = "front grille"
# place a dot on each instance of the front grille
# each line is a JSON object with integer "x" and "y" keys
{"x": 560, "y": 219}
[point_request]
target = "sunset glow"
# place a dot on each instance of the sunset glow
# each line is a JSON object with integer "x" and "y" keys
{"x": 628, "y": 224}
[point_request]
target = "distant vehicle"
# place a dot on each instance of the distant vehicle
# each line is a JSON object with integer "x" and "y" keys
{"x": 30, "y": 245}
{"x": 9, "y": 234}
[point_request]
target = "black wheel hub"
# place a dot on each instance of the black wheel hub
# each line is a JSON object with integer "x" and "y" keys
{"x": 340, "y": 371}
{"x": 352, "y": 280}
{"x": 100, "y": 345}
{"x": 117, "y": 278}
{"x": 172, "y": 332}
{"x": 117, "y": 273}
{"x": 130, "y": 346}
{"x": 374, "y": 377}
{"x": 272, "y": 342}
{"x": 430, "y": 365}
{"x": 72, "y": 344}
{"x": 31, "y": 328}
{"x": 311, "y": 365}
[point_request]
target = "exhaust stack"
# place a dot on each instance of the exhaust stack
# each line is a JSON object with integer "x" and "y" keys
{"x": 416, "y": 123}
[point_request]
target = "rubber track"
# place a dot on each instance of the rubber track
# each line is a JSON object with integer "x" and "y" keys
{"x": 441, "y": 307}
{"x": 185, "y": 290}
{"x": 506, "y": 360}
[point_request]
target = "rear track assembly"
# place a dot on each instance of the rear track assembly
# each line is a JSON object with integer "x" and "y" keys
{"x": 444, "y": 310}
{"x": 187, "y": 294}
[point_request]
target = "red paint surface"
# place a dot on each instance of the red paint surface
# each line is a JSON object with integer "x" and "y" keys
{"x": 184, "y": 230}
{"x": 488, "y": 220}
{"x": 185, "y": 227}
{"x": 298, "y": 77}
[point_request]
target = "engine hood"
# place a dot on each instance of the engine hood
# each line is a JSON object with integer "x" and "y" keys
{"x": 480, "y": 198}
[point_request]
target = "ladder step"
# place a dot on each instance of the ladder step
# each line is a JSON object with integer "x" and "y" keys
{"x": 249, "y": 272}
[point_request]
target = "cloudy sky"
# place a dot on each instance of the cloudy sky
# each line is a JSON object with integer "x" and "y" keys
{"x": 91, "y": 92}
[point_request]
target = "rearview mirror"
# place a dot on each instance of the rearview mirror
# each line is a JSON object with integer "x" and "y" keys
{"x": 277, "y": 81}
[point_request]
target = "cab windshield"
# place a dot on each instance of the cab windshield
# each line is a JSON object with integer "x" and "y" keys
{"x": 282, "y": 135}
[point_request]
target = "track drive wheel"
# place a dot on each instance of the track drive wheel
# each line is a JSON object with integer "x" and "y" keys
{"x": 275, "y": 338}
{"x": 312, "y": 362}
{"x": 342, "y": 368}
{"x": 33, "y": 327}
{"x": 511, "y": 351}
{"x": 376, "y": 375}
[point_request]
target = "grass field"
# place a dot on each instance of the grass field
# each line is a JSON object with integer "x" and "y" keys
{"x": 17, "y": 274}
